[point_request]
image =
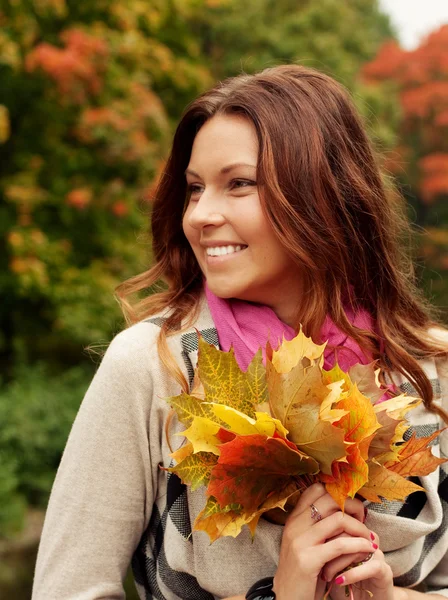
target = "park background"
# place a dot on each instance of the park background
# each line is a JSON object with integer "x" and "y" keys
{"x": 90, "y": 93}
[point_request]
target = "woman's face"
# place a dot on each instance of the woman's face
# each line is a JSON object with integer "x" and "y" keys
{"x": 229, "y": 233}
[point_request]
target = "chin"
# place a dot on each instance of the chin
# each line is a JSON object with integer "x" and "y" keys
{"x": 226, "y": 291}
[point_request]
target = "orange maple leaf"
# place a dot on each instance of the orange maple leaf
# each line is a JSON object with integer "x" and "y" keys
{"x": 386, "y": 483}
{"x": 251, "y": 467}
{"x": 347, "y": 477}
{"x": 415, "y": 457}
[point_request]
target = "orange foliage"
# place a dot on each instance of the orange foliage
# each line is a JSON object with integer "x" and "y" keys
{"x": 410, "y": 68}
{"x": 442, "y": 118}
{"x": 386, "y": 65}
{"x": 421, "y": 76}
{"x": 123, "y": 127}
{"x": 434, "y": 163}
{"x": 76, "y": 69}
{"x": 97, "y": 117}
{"x": 434, "y": 169}
{"x": 79, "y": 198}
{"x": 434, "y": 186}
{"x": 423, "y": 100}
{"x": 120, "y": 209}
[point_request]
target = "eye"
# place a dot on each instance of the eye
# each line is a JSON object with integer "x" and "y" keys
{"x": 242, "y": 183}
{"x": 193, "y": 189}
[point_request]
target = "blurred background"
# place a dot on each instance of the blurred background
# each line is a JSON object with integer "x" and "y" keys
{"x": 89, "y": 95}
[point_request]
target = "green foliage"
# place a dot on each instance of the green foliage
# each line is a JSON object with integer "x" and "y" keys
{"x": 12, "y": 504}
{"x": 36, "y": 413}
{"x": 336, "y": 37}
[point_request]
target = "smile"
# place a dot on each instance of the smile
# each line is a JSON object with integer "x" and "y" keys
{"x": 223, "y": 250}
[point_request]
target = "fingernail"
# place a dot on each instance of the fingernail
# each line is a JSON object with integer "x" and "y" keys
{"x": 375, "y": 546}
{"x": 339, "y": 580}
{"x": 365, "y": 513}
{"x": 372, "y": 536}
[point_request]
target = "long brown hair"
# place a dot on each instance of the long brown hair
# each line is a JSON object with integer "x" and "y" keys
{"x": 321, "y": 188}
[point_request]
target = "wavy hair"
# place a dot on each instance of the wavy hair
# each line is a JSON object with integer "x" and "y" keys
{"x": 322, "y": 191}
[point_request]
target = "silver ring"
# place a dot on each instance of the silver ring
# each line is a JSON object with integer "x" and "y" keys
{"x": 315, "y": 514}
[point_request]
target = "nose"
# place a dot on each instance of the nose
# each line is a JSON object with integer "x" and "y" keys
{"x": 207, "y": 210}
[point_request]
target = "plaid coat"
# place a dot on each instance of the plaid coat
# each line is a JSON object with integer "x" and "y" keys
{"x": 112, "y": 505}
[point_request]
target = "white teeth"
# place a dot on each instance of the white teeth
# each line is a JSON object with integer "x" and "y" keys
{"x": 222, "y": 250}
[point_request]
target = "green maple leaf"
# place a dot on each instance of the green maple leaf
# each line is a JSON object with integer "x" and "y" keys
{"x": 225, "y": 383}
{"x": 195, "y": 470}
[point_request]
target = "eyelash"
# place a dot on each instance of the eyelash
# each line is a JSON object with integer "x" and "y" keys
{"x": 192, "y": 187}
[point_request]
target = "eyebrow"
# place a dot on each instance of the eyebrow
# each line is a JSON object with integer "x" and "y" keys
{"x": 224, "y": 170}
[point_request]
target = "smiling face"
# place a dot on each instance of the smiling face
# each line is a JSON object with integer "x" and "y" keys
{"x": 224, "y": 222}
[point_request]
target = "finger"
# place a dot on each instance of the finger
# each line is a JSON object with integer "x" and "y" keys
{"x": 340, "y": 564}
{"x": 374, "y": 537}
{"x": 376, "y": 569}
{"x": 355, "y": 508}
{"x": 309, "y": 564}
{"x": 308, "y": 497}
{"x": 333, "y": 526}
{"x": 326, "y": 506}
{"x": 347, "y": 546}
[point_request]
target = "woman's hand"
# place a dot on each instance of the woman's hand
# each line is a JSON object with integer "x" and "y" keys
{"x": 307, "y": 546}
{"x": 374, "y": 575}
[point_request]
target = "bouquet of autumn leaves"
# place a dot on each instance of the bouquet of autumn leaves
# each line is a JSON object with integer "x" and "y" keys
{"x": 255, "y": 439}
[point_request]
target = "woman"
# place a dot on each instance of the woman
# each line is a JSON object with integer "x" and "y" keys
{"x": 271, "y": 205}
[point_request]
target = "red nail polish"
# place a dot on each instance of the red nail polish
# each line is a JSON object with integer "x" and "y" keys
{"x": 339, "y": 580}
{"x": 375, "y": 546}
{"x": 372, "y": 537}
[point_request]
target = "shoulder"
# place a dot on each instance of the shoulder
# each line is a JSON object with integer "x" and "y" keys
{"x": 136, "y": 348}
{"x": 130, "y": 354}
{"x": 439, "y": 335}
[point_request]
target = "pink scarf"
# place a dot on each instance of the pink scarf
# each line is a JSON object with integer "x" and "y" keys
{"x": 247, "y": 327}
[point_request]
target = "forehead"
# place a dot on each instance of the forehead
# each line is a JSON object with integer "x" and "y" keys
{"x": 225, "y": 138}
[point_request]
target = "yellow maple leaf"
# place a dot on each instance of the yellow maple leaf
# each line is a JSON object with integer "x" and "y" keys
{"x": 188, "y": 407}
{"x": 291, "y": 353}
{"x": 202, "y": 435}
{"x": 360, "y": 422}
{"x": 182, "y": 452}
{"x": 295, "y": 399}
{"x": 219, "y": 521}
{"x": 239, "y": 423}
{"x": 398, "y": 406}
{"x": 327, "y": 412}
{"x": 335, "y": 375}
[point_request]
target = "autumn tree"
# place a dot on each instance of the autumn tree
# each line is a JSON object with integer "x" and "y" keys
{"x": 420, "y": 160}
